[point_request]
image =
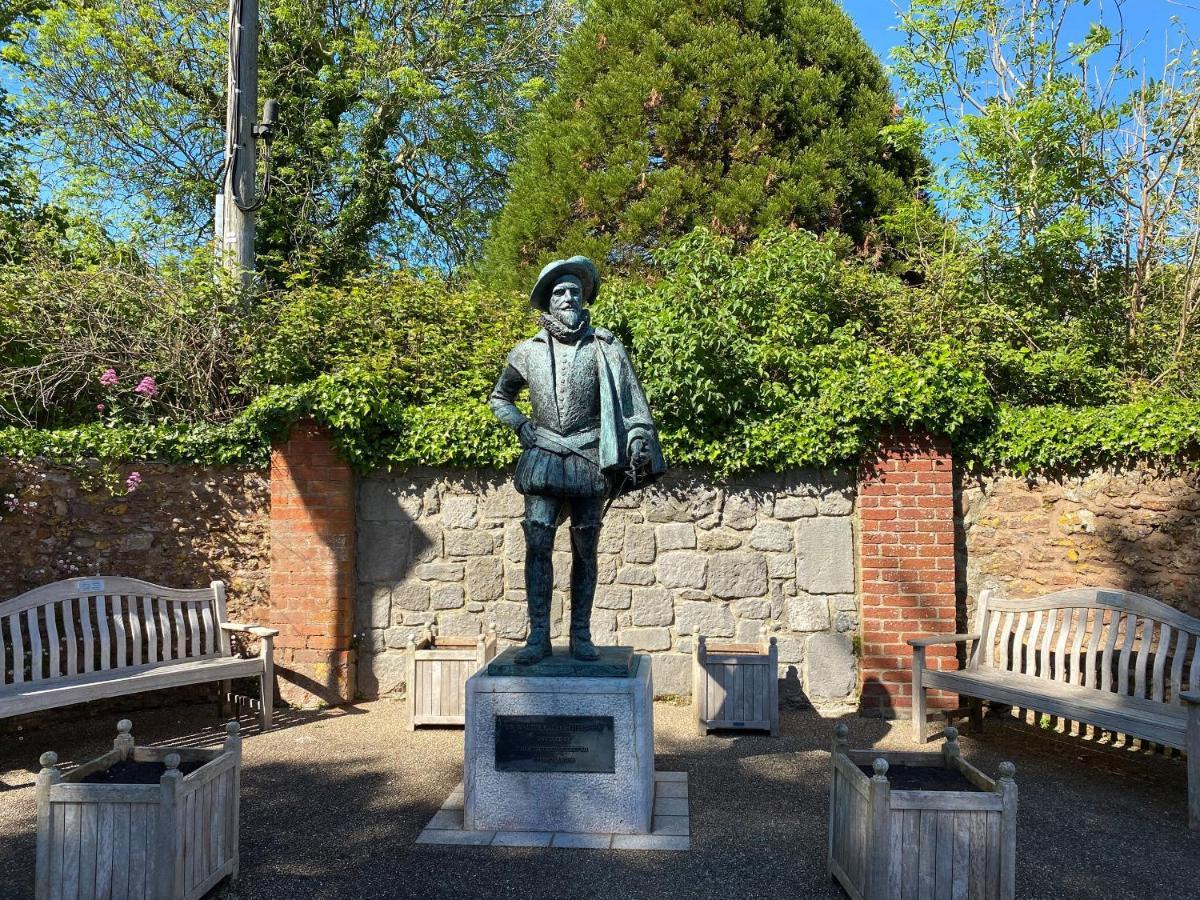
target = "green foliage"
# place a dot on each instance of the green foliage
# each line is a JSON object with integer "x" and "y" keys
{"x": 397, "y": 118}
{"x": 791, "y": 353}
{"x": 737, "y": 116}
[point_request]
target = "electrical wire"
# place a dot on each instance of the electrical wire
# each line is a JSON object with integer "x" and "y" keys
{"x": 232, "y": 147}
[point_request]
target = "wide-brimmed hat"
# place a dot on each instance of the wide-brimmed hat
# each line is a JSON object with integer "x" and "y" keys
{"x": 579, "y": 266}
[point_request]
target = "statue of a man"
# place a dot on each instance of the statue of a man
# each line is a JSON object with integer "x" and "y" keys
{"x": 589, "y": 436}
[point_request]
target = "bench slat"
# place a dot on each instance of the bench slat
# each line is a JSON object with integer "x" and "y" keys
{"x": 1160, "y": 663}
{"x": 1089, "y": 670}
{"x": 1106, "y": 658}
{"x": 1018, "y": 642}
{"x": 18, "y": 648}
{"x": 3, "y": 657}
{"x": 1145, "y": 640}
{"x": 210, "y": 644}
{"x": 135, "y": 631}
{"x": 1060, "y": 651}
{"x": 52, "y": 639}
{"x": 1047, "y": 636}
{"x": 102, "y": 623}
{"x": 1081, "y": 627}
{"x": 35, "y": 644}
{"x": 1123, "y": 659}
{"x": 148, "y": 619}
{"x": 70, "y": 647}
{"x": 989, "y": 656}
{"x": 1035, "y": 662}
{"x": 180, "y": 639}
{"x": 193, "y": 630}
{"x": 85, "y": 630}
{"x": 118, "y": 621}
{"x": 164, "y": 627}
{"x": 1194, "y": 667}
{"x": 1181, "y": 642}
{"x": 1005, "y": 642}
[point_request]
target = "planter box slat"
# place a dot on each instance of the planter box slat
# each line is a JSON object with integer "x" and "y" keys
{"x": 908, "y": 844}
{"x": 437, "y": 670}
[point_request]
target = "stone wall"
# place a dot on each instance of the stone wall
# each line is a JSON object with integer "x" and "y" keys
{"x": 1138, "y": 530}
{"x": 181, "y": 526}
{"x": 690, "y": 555}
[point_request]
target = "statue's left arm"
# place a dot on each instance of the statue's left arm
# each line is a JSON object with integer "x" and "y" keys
{"x": 642, "y": 446}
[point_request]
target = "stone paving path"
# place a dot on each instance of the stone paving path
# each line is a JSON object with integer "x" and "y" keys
{"x": 333, "y": 803}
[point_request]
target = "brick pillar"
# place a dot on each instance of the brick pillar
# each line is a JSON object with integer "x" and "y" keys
{"x": 312, "y": 568}
{"x": 906, "y": 510}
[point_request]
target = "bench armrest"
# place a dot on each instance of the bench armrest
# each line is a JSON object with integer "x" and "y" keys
{"x": 256, "y": 630}
{"x": 1190, "y": 696}
{"x": 929, "y": 640}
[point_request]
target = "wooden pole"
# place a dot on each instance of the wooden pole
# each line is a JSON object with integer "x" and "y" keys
{"x": 235, "y": 223}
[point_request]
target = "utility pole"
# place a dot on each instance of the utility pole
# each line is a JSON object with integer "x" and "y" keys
{"x": 237, "y": 202}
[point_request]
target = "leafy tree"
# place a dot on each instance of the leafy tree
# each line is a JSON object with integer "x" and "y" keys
{"x": 398, "y": 117}
{"x": 1075, "y": 174}
{"x": 737, "y": 115}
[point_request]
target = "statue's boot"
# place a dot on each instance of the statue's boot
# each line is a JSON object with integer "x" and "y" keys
{"x": 539, "y": 583}
{"x": 584, "y": 541}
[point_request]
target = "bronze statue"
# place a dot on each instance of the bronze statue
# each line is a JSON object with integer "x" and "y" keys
{"x": 590, "y": 436}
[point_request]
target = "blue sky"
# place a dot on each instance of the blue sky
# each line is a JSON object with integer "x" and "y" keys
{"x": 1146, "y": 21}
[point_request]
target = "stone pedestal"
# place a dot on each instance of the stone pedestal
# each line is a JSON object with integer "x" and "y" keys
{"x": 570, "y": 752}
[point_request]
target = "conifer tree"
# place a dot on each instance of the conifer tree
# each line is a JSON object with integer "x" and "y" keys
{"x": 734, "y": 114}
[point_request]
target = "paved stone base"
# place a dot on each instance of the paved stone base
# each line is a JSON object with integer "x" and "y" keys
{"x": 671, "y": 829}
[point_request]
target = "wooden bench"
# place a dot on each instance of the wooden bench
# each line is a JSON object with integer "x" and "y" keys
{"x": 1108, "y": 658}
{"x": 86, "y": 639}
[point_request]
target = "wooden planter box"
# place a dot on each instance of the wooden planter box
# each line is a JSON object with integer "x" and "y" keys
{"x": 736, "y": 686}
{"x": 170, "y": 839}
{"x": 437, "y": 673}
{"x": 944, "y": 842}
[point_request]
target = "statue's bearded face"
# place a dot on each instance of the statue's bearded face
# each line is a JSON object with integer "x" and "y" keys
{"x": 566, "y": 301}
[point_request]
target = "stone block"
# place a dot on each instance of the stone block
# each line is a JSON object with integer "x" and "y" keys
{"x": 646, "y": 638}
{"x": 446, "y": 596}
{"x": 440, "y": 571}
{"x": 514, "y": 542}
{"x": 830, "y": 669}
{"x": 410, "y": 595}
{"x": 748, "y": 631}
{"x": 791, "y": 649}
{"x": 514, "y": 576}
{"x": 460, "y": 511}
{"x": 639, "y": 544}
{"x": 562, "y": 569}
{"x": 628, "y": 574}
{"x": 606, "y": 568}
{"x": 670, "y": 501}
{"x": 789, "y": 508}
{"x": 682, "y": 568}
{"x": 604, "y": 627}
{"x": 384, "y": 551}
{"x": 781, "y": 565}
{"x": 738, "y": 574}
{"x": 612, "y": 534}
{"x": 380, "y": 674}
{"x": 752, "y": 609}
{"x": 467, "y": 542}
{"x": 676, "y": 536}
{"x": 837, "y": 501}
{"x": 459, "y": 623}
{"x": 710, "y": 619}
{"x": 672, "y": 675}
{"x": 808, "y": 613}
{"x": 652, "y": 606}
{"x": 612, "y": 596}
{"x": 374, "y": 606}
{"x": 502, "y": 501}
{"x": 771, "y": 536}
{"x": 740, "y": 511}
{"x": 485, "y": 578}
{"x": 825, "y": 555}
{"x": 512, "y": 619}
{"x": 719, "y": 539}
{"x": 384, "y": 500}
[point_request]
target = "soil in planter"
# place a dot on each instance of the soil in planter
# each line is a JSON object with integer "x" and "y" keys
{"x": 924, "y": 778}
{"x": 130, "y": 772}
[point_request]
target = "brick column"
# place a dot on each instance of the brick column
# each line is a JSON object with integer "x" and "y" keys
{"x": 312, "y": 568}
{"x": 906, "y": 510}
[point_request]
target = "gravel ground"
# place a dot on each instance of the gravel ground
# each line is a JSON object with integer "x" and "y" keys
{"x": 332, "y": 801}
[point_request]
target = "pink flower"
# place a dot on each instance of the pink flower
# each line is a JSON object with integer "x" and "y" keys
{"x": 109, "y": 378}
{"x": 147, "y": 387}
{"x": 99, "y": 407}
{"x": 132, "y": 482}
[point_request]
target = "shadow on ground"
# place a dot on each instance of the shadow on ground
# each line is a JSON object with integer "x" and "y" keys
{"x": 332, "y": 802}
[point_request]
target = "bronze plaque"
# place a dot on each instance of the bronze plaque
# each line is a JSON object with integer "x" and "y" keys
{"x": 554, "y": 744}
